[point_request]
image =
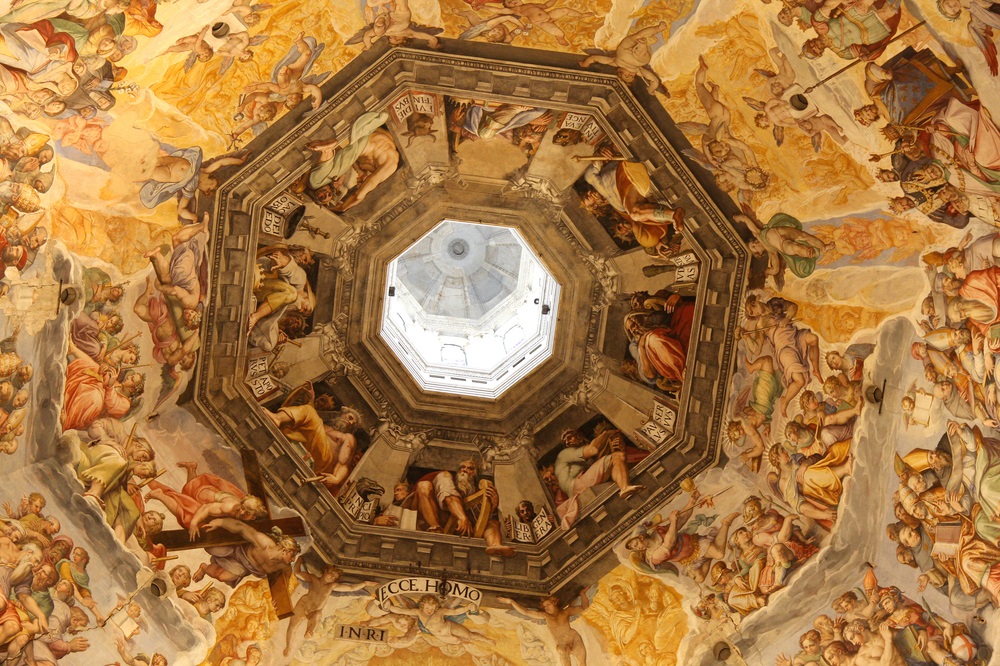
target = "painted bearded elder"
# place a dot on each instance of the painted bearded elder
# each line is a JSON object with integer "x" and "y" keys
{"x": 330, "y": 445}
{"x": 625, "y": 186}
{"x": 460, "y": 503}
{"x": 583, "y": 464}
{"x": 261, "y": 555}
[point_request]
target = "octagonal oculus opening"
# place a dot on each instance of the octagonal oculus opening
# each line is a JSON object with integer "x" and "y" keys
{"x": 471, "y": 310}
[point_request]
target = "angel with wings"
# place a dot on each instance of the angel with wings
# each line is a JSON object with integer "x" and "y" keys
{"x": 542, "y": 16}
{"x": 780, "y": 81}
{"x": 733, "y": 163}
{"x": 248, "y": 12}
{"x": 395, "y": 23}
{"x": 984, "y": 23}
{"x": 776, "y": 111}
{"x": 200, "y": 50}
{"x": 441, "y": 622}
{"x": 631, "y": 57}
{"x": 237, "y": 47}
{"x": 569, "y": 643}
{"x": 405, "y": 624}
{"x": 500, "y": 29}
{"x": 291, "y": 81}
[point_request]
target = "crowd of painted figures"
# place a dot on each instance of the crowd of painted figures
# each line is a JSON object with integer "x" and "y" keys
{"x": 875, "y": 624}
{"x": 792, "y": 430}
{"x": 946, "y": 503}
{"x": 46, "y": 593}
{"x": 24, "y": 155}
{"x": 67, "y": 95}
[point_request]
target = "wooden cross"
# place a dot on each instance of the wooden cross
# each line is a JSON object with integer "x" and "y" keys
{"x": 174, "y": 540}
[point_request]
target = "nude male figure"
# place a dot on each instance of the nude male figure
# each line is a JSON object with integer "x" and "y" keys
{"x": 289, "y": 79}
{"x": 309, "y": 607}
{"x": 720, "y": 146}
{"x": 632, "y": 56}
{"x": 259, "y": 556}
{"x": 375, "y": 164}
{"x": 396, "y": 25}
{"x": 542, "y": 17}
{"x": 569, "y": 643}
{"x": 873, "y": 649}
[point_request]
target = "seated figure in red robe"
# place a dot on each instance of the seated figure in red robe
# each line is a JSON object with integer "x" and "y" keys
{"x": 659, "y": 329}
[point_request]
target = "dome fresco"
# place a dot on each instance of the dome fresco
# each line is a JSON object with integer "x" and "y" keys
{"x": 497, "y": 332}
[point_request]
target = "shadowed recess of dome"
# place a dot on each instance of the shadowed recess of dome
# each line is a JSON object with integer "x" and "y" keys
{"x": 461, "y": 270}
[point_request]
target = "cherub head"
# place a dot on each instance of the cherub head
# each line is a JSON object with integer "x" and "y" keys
{"x": 214, "y": 599}
{"x": 429, "y": 604}
{"x": 498, "y": 34}
{"x": 950, "y": 9}
{"x": 180, "y": 576}
{"x": 331, "y": 575}
{"x": 525, "y": 511}
{"x": 867, "y": 114}
{"x": 813, "y": 48}
{"x": 626, "y": 75}
{"x": 720, "y": 150}
{"x": 567, "y": 136}
{"x": 811, "y": 642}
{"x": 251, "y": 508}
{"x": 152, "y": 522}
{"x": 205, "y": 52}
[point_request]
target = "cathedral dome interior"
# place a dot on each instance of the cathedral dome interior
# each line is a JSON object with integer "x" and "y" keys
{"x": 497, "y": 332}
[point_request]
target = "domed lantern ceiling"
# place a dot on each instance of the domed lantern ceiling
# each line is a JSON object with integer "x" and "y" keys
{"x": 472, "y": 310}
{"x": 426, "y": 315}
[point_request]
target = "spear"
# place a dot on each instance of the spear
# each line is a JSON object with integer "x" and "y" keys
{"x": 121, "y": 343}
{"x": 145, "y": 482}
{"x": 860, "y": 60}
{"x": 708, "y": 498}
